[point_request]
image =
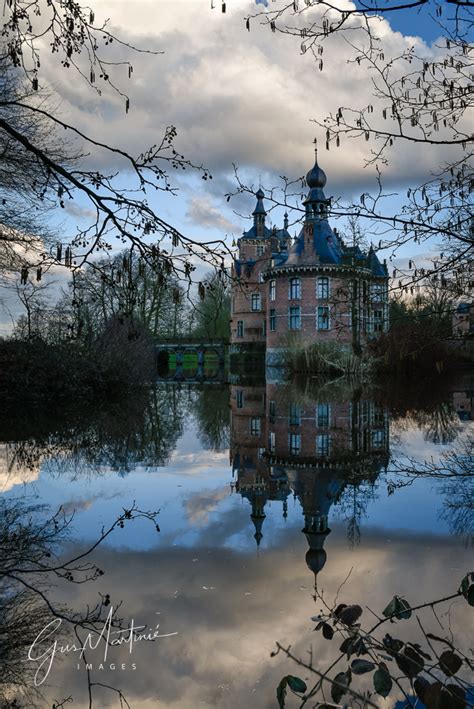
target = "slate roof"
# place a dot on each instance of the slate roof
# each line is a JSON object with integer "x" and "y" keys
{"x": 326, "y": 246}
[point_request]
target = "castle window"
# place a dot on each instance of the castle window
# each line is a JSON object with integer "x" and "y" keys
{"x": 264, "y": 328}
{"x": 294, "y": 289}
{"x": 369, "y": 323}
{"x": 322, "y": 415}
{"x": 322, "y": 445}
{"x": 323, "y": 288}
{"x": 378, "y": 292}
{"x": 378, "y": 320}
{"x": 256, "y": 302}
{"x": 259, "y": 249}
{"x": 271, "y": 411}
{"x": 255, "y": 426}
{"x": 378, "y": 417}
{"x": 271, "y": 441}
{"x": 294, "y": 318}
{"x": 240, "y": 328}
{"x": 272, "y": 320}
{"x": 378, "y": 439}
{"x": 294, "y": 443}
{"x": 295, "y": 415}
{"x": 239, "y": 399}
{"x": 272, "y": 290}
{"x": 323, "y": 317}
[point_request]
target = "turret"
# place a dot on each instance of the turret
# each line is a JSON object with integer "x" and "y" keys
{"x": 316, "y": 204}
{"x": 259, "y": 215}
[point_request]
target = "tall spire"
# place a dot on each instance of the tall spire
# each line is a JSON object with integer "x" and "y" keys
{"x": 258, "y": 518}
{"x": 259, "y": 214}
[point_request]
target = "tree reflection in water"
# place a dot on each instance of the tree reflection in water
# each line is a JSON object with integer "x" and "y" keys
{"x": 323, "y": 445}
{"x": 31, "y": 566}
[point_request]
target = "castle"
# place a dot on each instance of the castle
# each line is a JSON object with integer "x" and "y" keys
{"x": 309, "y": 447}
{"x": 312, "y": 289}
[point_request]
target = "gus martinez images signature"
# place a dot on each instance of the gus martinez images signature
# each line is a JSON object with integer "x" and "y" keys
{"x": 110, "y": 637}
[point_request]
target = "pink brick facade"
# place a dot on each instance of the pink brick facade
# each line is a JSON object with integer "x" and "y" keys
{"x": 315, "y": 289}
{"x": 284, "y": 445}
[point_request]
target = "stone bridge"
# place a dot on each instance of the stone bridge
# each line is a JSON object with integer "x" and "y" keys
{"x": 200, "y": 347}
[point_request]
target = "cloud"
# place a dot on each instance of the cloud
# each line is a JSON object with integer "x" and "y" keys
{"x": 201, "y": 212}
{"x": 200, "y": 505}
{"x": 229, "y": 609}
{"x": 235, "y": 97}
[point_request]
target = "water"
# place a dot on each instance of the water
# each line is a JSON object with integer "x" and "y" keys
{"x": 270, "y": 496}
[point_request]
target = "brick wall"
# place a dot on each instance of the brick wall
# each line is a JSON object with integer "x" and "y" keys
{"x": 244, "y": 287}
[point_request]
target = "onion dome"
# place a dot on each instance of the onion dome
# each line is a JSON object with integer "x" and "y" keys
{"x": 316, "y": 204}
{"x": 315, "y": 560}
{"x": 316, "y": 177}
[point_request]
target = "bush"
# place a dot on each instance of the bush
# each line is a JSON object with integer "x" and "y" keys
{"x": 326, "y": 359}
{"x": 412, "y": 347}
{"x": 38, "y": 373}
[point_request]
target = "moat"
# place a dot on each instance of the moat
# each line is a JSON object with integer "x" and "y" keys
{"x": 271, "y": 496}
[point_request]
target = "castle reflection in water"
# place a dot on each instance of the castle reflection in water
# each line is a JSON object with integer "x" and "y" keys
{"x": 309, "y": 445}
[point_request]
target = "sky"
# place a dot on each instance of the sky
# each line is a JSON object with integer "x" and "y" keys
{"x": 237, "y": 98}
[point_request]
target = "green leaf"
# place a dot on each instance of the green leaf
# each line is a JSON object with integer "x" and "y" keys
{"x": 360, "y": 667}
{"x": 328, "y": 632}
{"x": 450, "y": 663}
{"x": 281, "y": 692}
{"x": 382, "y": 681}
{"x": 353, "y": 645}
{"x": 410, "y": 662}
{"x": 340, "y": 684}
{"x": 467, "y": 588}
{"x": 296, "y": 684}
{"x": 391, "y": 609}
{"x": 393, "y": 645}
{"x": 437, "y": 696}
{"x": 421, "y": 686}
{"x": 398, "y": 608}
{"x": 404, "y": 610}
{"x": 465, "y": 583}
{"x": 350, "y": 615}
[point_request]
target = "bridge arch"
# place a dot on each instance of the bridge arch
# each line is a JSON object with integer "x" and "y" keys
{"x": 203, "y": 350}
